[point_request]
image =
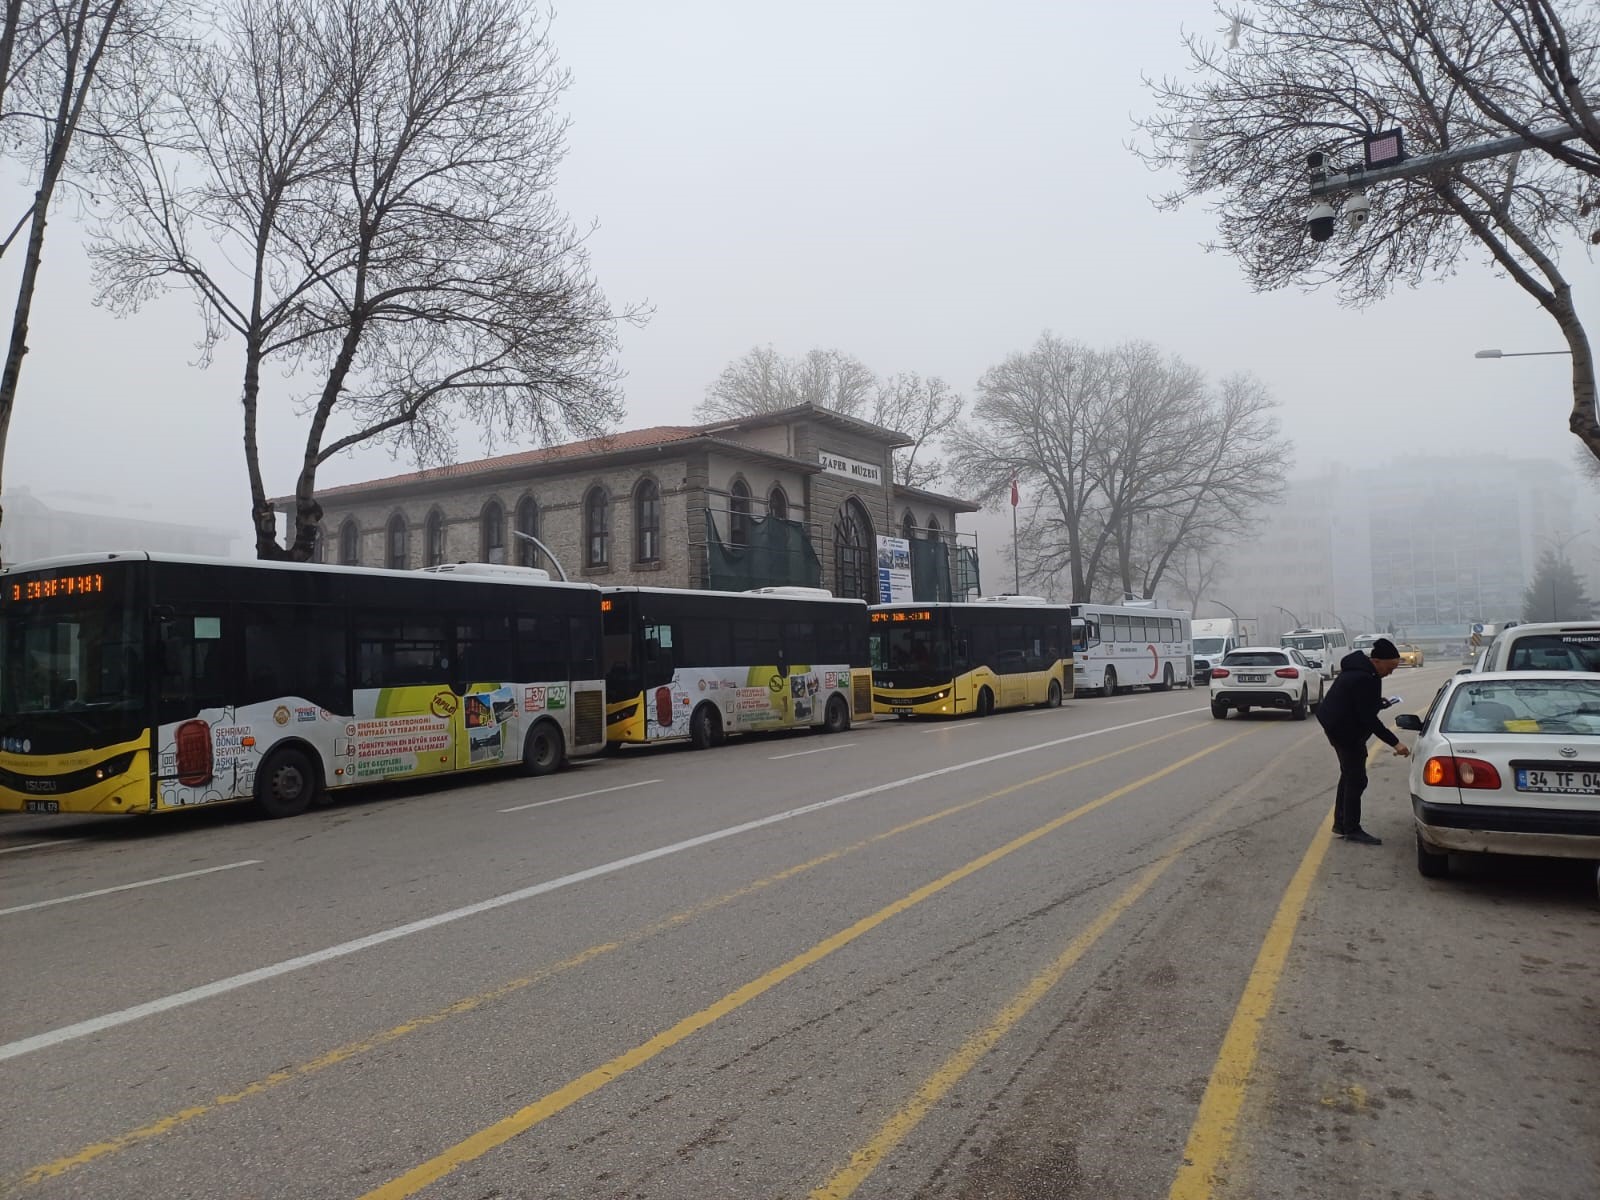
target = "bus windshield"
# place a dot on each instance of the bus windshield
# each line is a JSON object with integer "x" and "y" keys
{"x": 917, "y": 650}
{"x": 1311, "y": 641}
{"x": 74, "y": 663}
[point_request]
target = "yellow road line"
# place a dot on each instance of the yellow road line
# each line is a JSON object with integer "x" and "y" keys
{"x": 1216, "y": 1124}
{"x": 1217, "y": 1121}
{"x": 960, "y": 1064}
{"x": 167, "y": 1124}
{"x": 524, "y": 1119}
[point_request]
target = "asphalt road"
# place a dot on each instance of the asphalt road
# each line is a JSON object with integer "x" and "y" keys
{"x": 1105, "y": 951}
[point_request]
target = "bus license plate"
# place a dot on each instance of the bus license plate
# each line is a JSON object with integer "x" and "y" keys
{"x": 1570, "y": 783}
{"x": 902, "y": 710}
{"x": 46, "y": 806}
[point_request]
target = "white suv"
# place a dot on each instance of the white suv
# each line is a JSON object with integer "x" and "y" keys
{"x": 1545, "y": 646}
{"x": 1265, "y": 677}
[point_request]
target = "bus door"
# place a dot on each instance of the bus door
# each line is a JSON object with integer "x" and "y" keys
{"x": 193, "y": 676}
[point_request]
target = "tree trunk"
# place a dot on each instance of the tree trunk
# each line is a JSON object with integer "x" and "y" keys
{"x": 262, "y": 515}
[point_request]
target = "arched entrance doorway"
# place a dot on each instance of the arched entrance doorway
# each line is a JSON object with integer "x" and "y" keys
{"x": 855, "y": 574}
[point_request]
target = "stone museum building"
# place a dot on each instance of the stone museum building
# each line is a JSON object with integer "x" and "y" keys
{"x": 797, "y": 497}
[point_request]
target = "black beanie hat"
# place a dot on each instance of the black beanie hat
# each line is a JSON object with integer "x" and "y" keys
{"x": 1384, "y": 648}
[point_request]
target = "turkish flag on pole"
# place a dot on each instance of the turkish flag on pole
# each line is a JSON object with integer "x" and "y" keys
{"x": 1014, "y": 496}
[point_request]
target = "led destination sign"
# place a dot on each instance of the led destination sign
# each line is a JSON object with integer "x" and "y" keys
{"x": 56, "y": 587}
{"x": 900, "y": 615}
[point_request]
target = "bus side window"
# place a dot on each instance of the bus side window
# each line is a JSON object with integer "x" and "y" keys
{"x": 194, "y": 668}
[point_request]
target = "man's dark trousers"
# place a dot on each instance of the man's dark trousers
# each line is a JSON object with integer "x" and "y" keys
{"x": 1352, "y": 782}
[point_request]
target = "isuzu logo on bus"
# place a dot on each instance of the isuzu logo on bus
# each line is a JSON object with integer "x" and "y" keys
{"x": 39, "y": 785}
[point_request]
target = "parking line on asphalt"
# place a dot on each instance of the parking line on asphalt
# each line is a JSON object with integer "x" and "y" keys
{"x": 167, "y": 1124}
{"x": 818, "y": 750}
{"x": 126, "y": 887}
{"x": 953, "y": 725}
{"x": 621, "y": 787}
{"x": 502, "y": 1131}
{"x": 221, "y": 987}
{"x": 35, "y": 846}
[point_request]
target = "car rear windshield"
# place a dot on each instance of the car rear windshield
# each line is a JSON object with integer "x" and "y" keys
{"x": 1561, "y": 706}
{"x": 1555, "y": 652}
{"x": 1255, "y": 658}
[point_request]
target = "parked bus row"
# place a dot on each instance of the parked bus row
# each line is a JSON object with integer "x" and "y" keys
{"x": 137, "y": 683}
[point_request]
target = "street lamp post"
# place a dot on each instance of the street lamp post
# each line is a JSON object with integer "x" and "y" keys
{"x": 528, "y": 537}
{"x": 1220, "y": 604}
{"x": 1516, "y": 353}
{"x": 1298, "y": 623}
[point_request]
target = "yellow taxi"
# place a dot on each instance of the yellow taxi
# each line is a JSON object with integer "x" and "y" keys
{"x": 1410, "y": 655}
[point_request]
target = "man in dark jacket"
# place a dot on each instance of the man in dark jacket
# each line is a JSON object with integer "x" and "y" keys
{"x": 1349, "y": 716}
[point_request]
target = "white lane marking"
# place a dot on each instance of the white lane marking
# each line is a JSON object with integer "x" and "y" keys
{"x": 953, "y": 725}
{"x": 127, "y": 887}
{"x": 220, "y": 987}
{"x": 818, "y": 750}
{"x": 35, "y": 846}
{"x": 621, "y": 787}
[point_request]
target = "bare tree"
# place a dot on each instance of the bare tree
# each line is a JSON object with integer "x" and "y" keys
{"x": 364, "y": 198}
{"x": 1129, "y": 458}
{"x": 1298, "y": 76}
{"x": 765, "y": 381}
{"x": 1035, "y": 419}
{"x": 54, "y": 59}
{"x": 925, "y": 410}
{"x": 1196, "y": 570}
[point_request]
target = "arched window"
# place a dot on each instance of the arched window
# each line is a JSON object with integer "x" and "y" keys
{"x": 319, "y": 546}
{"x": 739, "y": 513}
{"x": 647, "y": 522}
{"x": 854, "y": 564}
{"x": 528, "y": 523}
{"x": 597, "y": 527}
{"x": 349, "y": 543}
{"x": 908, "y": 525}
{"x": 778, "y": 503}
{"x": 934, "y": 528}
{"x": 397, "y": 543}
{"x": 433, "y": 540}
{"x": 493, "y": 526}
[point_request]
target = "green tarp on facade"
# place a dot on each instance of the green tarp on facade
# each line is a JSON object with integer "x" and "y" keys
{"x": 930, "y": 570}
{"x": 778, "y": 554}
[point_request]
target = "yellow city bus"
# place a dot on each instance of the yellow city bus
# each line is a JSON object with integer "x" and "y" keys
{"x": 965, "y": 657}
{"x": 143, "y": 683}
{"x": 696, "y": 665}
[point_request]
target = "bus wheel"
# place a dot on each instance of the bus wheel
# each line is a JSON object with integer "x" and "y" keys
{"x": 1110, "y": 685}
{"x": 543, "y": 748}
{"x": 837, "y": 719}
{"x": 705, "y": 728}
{"x": 1052, "y": 698}
{"x": 1166, "y": 680}
{"x": 985, "y": 702}
{"x": 285, "y": 784}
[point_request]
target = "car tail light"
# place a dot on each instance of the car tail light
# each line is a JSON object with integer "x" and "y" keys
{"x": 1287, "y": 672}
{"x": 1449, "y": 771}
{"x": 1219, "y": 672}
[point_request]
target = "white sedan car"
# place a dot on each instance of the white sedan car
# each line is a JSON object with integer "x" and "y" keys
{"x": 1507, "y": 762}
{"x": 1265, "y": 677}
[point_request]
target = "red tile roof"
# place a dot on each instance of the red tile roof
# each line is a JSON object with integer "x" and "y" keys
{"x": 628, "y": 439}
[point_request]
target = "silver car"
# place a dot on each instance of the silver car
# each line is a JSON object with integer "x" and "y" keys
{"x": 1507, "y": 762}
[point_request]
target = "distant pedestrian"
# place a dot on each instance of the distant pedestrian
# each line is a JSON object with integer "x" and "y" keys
{"x": 1349, "y": 716}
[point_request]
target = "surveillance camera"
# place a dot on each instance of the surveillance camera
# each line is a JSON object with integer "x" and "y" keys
{"x": 1320, "y": 221}
{"x": 1357, "y": 208}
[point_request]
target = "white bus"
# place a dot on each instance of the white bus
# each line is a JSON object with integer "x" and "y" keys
{"x": 1117, "y": 647}
{"x": 1322, "y": 648}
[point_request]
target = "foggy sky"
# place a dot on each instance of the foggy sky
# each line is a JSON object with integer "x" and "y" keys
{"x": 927, "y": 186}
